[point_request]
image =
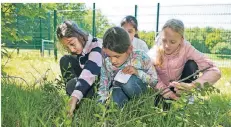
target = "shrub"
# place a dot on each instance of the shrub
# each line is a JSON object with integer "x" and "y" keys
{"x": 222, "y": 48}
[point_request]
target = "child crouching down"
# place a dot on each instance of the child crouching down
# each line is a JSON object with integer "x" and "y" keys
{"x": 175, "y": 59}
{"x": 120, "y": 62}
{"x": 81, "y": 67}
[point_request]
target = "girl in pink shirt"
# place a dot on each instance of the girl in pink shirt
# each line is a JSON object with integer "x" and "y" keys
{"x": 174, "y": 59}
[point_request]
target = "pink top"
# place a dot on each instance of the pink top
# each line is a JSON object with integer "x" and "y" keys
{"x": 173, "y": 66}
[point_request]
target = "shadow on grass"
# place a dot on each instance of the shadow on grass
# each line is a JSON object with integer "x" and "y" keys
{"x": 224, "y": 56}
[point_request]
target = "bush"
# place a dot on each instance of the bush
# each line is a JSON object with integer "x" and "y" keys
{"x": 222, "y": 48}
{"x": 200, "y": 45}
{"x": 148, "y": 37}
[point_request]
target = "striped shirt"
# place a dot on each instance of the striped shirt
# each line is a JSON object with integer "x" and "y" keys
{"x": 91, "y": 67}
{"x": 138, "y": 59}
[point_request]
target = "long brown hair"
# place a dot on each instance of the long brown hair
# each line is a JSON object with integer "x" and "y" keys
{"x": 70, "y": 29}
{"x": 177, "y": 26}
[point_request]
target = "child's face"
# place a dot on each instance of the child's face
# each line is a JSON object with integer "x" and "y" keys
{"x": 130, "y": 29}
{"x": 171, "y": 40}
{"x": 72, "y": 44}
{"x": 116, "y": 59}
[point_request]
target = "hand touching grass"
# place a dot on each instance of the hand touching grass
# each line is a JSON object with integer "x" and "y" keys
{"x": 72, "y": 103}
{"x": 180, "y": 87}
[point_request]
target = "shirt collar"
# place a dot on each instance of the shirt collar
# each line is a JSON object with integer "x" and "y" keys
{"x": 88, "y": 43}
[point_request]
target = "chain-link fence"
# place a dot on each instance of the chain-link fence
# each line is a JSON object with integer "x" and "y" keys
{"x": 207, "y": 27}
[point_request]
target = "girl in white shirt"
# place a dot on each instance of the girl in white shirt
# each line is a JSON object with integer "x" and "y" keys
{"x": 130, "y": 24}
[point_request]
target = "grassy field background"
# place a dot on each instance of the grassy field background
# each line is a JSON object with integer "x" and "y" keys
{"x": 40, "y": 101}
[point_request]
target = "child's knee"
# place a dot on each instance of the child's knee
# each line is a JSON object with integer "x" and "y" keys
{"x": 70, "y": 86}
{"x": 191, "y": 65}
{"x": 119, "y": 97}
{"x": 63, "y": 60}
{"x": 134, "y": 86}
{"x": 135, "y": 81}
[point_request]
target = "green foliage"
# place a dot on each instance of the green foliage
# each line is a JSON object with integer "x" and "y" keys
{"x": 46, "y": 104}
{"x": 71, "y": 11}
{"x": 13, "y": 29}
{"x": 148, "y": 37}
{"x": 222, "y": 48}
{"x": 22, "y": 23}
{"x": 4, "y": 53}
{"x": 7, "y": 20}
{"x": 204, "y": 39}
{"x": 23, "y": 106}
{"x": 199, "y": 45}
{"x": 213, "y": 38}
{"x": 101, "y": 23}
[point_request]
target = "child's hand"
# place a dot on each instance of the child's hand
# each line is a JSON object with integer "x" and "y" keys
{"x": 169, "y": 94}
{"x": 180, "y": 87}
{"x": 130, "y": 70}
{"x": 72, "y": 103}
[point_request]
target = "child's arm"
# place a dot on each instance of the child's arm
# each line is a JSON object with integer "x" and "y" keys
{"x": 166, "y": 93}
{"x": 212, "y": 74}
{"x": 148, "y": 72}
{"x": 104, "y": 86}
{"x": 89, "y": 73}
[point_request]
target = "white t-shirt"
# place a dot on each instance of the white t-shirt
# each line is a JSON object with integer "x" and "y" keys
{"x": 139, "y": 44}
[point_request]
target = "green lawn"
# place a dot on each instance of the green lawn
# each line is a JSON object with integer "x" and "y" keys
{"x": 44, "y": 105}
{"x": 220, "y": 60}
{"x": 30, "y": 65}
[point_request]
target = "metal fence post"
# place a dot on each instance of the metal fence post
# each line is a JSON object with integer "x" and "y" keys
{"x": 17, "y": 31}
{"x": 136, "y": 7}
{"x": 40, "y": 28}
{"x": 49, "y": 31}
{"x": 157, "y": 18}
{"x": 93, "y": 21}
{"x": 55, "y": 24}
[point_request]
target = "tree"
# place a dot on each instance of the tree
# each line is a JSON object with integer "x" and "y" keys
{"x": 213, "y": 38}
{"x": 222, "y": 48}
{"x": 101, "y": 23}
{"x": 21, "y": 22}
{"x": 18, "y": 22}
{"x": 148, "y": 37}
{"x": 196, "y": 36}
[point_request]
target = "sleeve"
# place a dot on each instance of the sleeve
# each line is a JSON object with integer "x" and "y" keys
{"x": 144, "y": 46}
{"x": 103, "y": 91}
{"x": 89, "y": 73}
{"x": 161, "y": 86}
{"x": 212, "y": 74}
{"x": 148, "y": 73}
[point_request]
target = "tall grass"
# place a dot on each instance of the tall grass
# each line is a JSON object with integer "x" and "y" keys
{"x": 46, "y": 105}
{"x": 23, "y": 106}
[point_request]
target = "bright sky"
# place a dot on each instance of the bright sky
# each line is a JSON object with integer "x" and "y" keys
{"x": 219, "y": 14}
{"x": 115, "y": 10}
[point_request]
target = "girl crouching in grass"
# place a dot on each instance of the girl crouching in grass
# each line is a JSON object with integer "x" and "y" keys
{"x": 81, "y": 68}
{"x": 120, "y": 61}
{"x": 175, "y": 59}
